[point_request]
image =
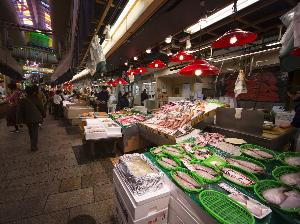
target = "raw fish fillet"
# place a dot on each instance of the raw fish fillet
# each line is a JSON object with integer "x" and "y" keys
{"x": 187, "y": 178}
{"x": 157, "y": 150}
{"x": 275, "y": 195}
{"x": 171, "y": 149}
{"x": 293, "y": 161}
{"x": 248, "y": 166}
{"x": 169, "y": 161}
{"x": 183, "y": 182}
{"x": 205, "y": 169}
{"x": 291, "y": 202}
{"x": 239, "y": 197}
{"x": 166, "y": 165}
{"x": 205, "y": 174}
{"x": 237, "y": 177}
{"x": 254, "y": 208}
{"x": 252, "y": 153}
{"x": 291, "y": 178}
{"x": 263, "y": 153}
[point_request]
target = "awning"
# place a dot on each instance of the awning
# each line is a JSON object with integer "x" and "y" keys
{"x": 9, "y": 66}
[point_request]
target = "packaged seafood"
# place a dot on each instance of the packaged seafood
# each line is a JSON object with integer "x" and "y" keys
{"x": 228, "y": 148}
{"x": 139, "y": 173}
{"x": 235, "y": 176}
{"x": 246, "y": 165}
{"x": 257, "y": 209}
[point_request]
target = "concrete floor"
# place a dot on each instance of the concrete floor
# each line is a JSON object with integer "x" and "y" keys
{"x": 48, "y": 186}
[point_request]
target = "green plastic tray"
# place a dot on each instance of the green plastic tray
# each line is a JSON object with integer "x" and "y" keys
{"x": 281, "y": 170}
{"x": 173, "y": 146}
{"x": 218, "y": 178}
{"x": 152, "y": 153}
{"x": 225, "y": 209}
{"x": 244, "y": 158}
{"x": 258, "y": 147}
{"x": 263, "y": 185}
{"x": 199, "y": 148}
{"x": 158, "y": 158}
{"x": 282, "y": 156}
{"x": 249, "y": 175}
{"x": 196, "y": 178}
{"x": 211, "y": 161}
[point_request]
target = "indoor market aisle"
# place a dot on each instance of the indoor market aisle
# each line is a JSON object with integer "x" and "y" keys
{"x": 48, "y": 186}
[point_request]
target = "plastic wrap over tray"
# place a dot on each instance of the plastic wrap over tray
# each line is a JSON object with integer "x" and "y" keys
{"x": 140, "y": 175}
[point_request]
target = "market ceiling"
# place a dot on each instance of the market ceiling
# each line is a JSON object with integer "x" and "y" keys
{"x": 173, "y": 17}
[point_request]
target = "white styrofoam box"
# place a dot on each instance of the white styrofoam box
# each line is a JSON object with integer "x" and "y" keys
{"x": 188, "y": 204}
{"x": 89, "y": 129}
{"x": 75, "y": 111}
{"x": 95, "y": 135}
{"x": 93, "y": 122}
{"x": 114, "y": 134}
{"x": 123, "y": 216}
{"x": 144, "y": 205}
{"x": 181, "y": 212}
{"x": 173, "y": 217}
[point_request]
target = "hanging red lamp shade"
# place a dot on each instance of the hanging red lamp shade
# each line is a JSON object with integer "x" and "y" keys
{"x": 132, "y": 72}
{"x": 199, "y": 67}
{"x": 120, "y": 81}
{"x": 141, "y": 69}
{"x": 157, "y": 64}
{"x": 296, "y": 52}
{"x": 181, "y": 56}
{"x": 111, "y": 83}
{"x": 234, "y": 38}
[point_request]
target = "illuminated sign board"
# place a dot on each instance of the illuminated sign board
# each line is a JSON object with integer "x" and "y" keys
{"x": 38, "y": 69}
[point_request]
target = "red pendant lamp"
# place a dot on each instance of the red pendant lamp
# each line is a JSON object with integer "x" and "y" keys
{"x": 111, "y": 83}
{"x": 199, "y": 67}
{"x": 296, "y": 52}
{"x": 234, "y": 38}
{"x": 181, "y": 56}
{"x": 132, "y": 72}
{"x": 120, "y": 81}
{"x": 141, "y": 69}
{"x": 157, "y": 64}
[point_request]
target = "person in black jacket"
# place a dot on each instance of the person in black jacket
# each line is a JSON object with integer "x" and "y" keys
{"x": 31, "y": 113}
{"x": 144, "y": 96}
{"x": 103, "y": 98}
{"x": 124, "y": 102}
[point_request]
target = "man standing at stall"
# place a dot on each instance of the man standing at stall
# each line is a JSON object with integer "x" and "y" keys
{"x": 103, "y": 98}
{"x": 144, "y": 96}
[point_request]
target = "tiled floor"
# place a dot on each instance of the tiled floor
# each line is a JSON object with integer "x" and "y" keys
{"x": 48, "y": 186}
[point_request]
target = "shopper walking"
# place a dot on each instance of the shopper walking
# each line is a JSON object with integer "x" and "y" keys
{"x": 31, "y": 112}
{"x": 12, "y": 99}
{"x": 57, "y": 101}
{"x": 144, "y": 96}
{"x": 103, "y": 98}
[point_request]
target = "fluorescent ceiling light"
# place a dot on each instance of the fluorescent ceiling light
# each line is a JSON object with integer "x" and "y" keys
{"x": 274, "y": 43}
{"x": 219, "y": 15}
{"x": 168, "y": 39}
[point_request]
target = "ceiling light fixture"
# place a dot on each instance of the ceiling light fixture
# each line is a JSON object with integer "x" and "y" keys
{"x": 141, "y": 70}
{"x": 135, "y": 58}
{"x": 157, "y": 64}
{"x": 199, "y": 67}
{"x": 168, "y": 39}
{"x": 181, "y": 56}
{"x": 126, "y": 63}
{"x": 198, "y": 72}
{"x": 148, "y": 51}
{"x": 219, "y": 15}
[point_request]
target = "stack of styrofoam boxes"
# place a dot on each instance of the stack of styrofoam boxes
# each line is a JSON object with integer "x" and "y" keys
{"x": 151, "y": 207}
{"x": 94, "y": 129}
{"x": 183, "y": 210}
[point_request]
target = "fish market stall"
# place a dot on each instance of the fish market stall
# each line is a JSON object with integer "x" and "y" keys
{"x": 128, "y": 119}
{"x": 176, "y": 119}
{"x": 214, "y": 181}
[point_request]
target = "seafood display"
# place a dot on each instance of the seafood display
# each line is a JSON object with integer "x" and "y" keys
{"x": 205, "y": 172}
{"x": 187, "y": 147}
{"x": 228, "y": 148}
{"x": 186, "y": 180}
{"x": 257, "y": 153}
{"x": 291, "y": 179}
{"x": 173, "y": 151}
{"x": 202, "y": 153}
{"x": 237, "y": 177}
{"x": 167, "y": 163}
{"x": 209, "y": 138}
{"x": 293, "y": 160}
{"x": 256, "y": 208}
{"x": 157, "y": 151}
{"x": 185, "y": 158}
{"x": 175, "y": 118}
{"x": 246, "y": 165}
{"x": 282, "y": 197}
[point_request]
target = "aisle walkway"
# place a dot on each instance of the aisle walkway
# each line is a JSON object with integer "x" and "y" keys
{"x": 48, "y": 186}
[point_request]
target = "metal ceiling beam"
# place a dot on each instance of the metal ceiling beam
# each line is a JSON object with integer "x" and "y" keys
{"x": 103, "y": 2}
{"x": 249, "y": 24}
{"x": 100, "y": 23}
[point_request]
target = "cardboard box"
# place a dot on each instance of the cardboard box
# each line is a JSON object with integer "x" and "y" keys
{"x": 141, "y": 206}
{"x": 123, "y": 217}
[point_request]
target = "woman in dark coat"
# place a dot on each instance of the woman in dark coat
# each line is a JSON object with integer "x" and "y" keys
{"x": 103, "y": 98}
{"x": 12, "y": 99}
{"x": 124, "y": 102}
